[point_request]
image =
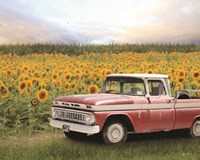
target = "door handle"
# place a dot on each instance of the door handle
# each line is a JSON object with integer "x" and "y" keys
{"x": 168, "y": 100}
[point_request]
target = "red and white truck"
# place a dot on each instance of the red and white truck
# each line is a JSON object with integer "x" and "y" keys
{"x": 128, "y": 103}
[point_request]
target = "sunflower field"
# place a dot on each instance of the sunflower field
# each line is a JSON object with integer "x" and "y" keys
{"x": 29, "y": 83}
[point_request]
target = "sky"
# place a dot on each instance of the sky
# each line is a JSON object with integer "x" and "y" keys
{"x": 99, "y": 21}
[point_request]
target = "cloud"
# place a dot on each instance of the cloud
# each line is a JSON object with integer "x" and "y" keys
{"x": 106, "y": 21}
{"x": 163, "y": 32}
{"x": 18, "y": 27}
{"x": 174, "y": 22}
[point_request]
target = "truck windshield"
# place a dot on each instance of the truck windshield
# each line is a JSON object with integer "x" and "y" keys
{"x": 124, "y": 85}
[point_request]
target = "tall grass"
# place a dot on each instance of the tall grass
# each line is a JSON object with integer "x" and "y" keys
{"x": 54, "y": 146}
{"x": 75, "y": 49}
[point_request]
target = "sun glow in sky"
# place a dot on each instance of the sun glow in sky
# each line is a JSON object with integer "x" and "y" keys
{"x": 99, "y": 21}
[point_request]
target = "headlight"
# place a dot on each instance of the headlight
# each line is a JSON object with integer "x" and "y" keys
{"x": 89, "y": 120}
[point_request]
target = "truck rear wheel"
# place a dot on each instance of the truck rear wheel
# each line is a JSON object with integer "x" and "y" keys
{"x": 114, "y": 132}
{"x": 195, "y": 129}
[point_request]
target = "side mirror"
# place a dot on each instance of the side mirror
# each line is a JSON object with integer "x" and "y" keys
{"x": 147, "y": 96}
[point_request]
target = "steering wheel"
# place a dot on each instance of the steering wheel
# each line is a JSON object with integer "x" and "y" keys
{"x": 112, "y": 91}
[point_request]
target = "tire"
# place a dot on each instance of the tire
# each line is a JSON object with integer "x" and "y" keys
{"x": 114, "y": 132}
{"x": 195, "y": 129}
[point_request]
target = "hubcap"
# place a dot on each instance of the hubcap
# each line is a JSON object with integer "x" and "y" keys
{"x": 196, "y": 128}
{"x": 115, "y": 133}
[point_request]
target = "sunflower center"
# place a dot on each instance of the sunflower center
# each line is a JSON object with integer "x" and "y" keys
{"x": 22, "y": 86}
{"x": 92, "y": 89}
{"x": 67, "y": 77}
{"x": 66, "y": 86}
{"x": 181, "y": 74}
{"x": 196, "y": 75}
{"x": 42, "y": 95}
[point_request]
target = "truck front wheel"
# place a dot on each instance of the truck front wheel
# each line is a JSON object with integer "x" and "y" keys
{"x": 195, "y": 129}
{"x": 114, "y": 132}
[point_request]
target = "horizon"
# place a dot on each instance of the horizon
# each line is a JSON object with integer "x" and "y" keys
{"x": 99, "y": 22}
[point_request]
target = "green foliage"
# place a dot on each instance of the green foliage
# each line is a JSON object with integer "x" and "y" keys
{"x": 19, "y": 115}
{"x": 75, "y": 49}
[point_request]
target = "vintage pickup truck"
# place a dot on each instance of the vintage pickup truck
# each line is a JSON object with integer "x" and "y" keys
{"x": 128, "y": 103}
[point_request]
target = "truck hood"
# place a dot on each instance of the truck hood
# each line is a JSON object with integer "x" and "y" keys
{"x": 96, "y": 99}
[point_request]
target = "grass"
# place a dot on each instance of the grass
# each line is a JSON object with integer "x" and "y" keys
{"x": 54, "y": 146}
{"x": 76, "y": 49}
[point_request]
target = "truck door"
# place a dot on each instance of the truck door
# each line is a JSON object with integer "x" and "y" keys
{"x": 160, "y": 109}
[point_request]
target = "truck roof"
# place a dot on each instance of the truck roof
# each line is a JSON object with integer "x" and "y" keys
{"x": 139, "y": 75}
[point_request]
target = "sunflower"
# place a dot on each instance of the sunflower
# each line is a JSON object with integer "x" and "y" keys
{"x": 195, "y": 75}
{"x": 34, "y": 81}
{"x": 150, "y": 71}
{"x": 8, "y": 72}
{"x": 83, "y": 88}
{"x": 108, "y": 72}
{"x": 22, "y": 86}
{"x": 93, "y": 89}
{"x": 87, "y": 71}
{"x": 48, "y": 88}
{"x": 42, "y": 95}
{"x": 186, "y": 61}
{"x": 34, "y": 102}
{"x": 26, "y": 77}
{"x": 47, "y": 69}
{"x": 87, "y": 81}
{"x": 194, "y": 84}
{"x": 181, "y": 73}
{"x": 103, "y": 72}
{"x": 170, "y": 71}
{"x": 67, "y": 86}
{"x": 77, "y": 77}
{"x": 58, "y": 84}
{"x": 181, "y": 80}
{"x": 29, "y": 84}
{"x": 25, "y": 68}
{"x": 77, "y": 71}
{"x": 36, "y": 74}
{"x": 178, "y": 86}
{"x": 4, "y": 92}
{"x": 67, "y": 76}
{"x": 73, "y": 85}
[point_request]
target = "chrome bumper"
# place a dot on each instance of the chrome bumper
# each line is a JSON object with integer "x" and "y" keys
{"x": 75, "y": 127}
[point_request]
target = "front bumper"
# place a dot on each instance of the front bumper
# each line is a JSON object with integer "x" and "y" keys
{"x": 75, "y": 127}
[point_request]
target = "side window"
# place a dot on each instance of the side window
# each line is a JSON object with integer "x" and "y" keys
{"x": 156, "y": 88}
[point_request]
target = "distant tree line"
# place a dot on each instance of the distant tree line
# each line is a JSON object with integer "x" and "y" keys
{"x": 76, "y": 49}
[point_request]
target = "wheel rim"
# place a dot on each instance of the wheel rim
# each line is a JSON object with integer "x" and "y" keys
{"x": 196, "y": 128}
{"x": 115, "y": 133}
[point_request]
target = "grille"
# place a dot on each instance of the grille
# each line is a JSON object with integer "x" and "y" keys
{"x": 70, "y": 116}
